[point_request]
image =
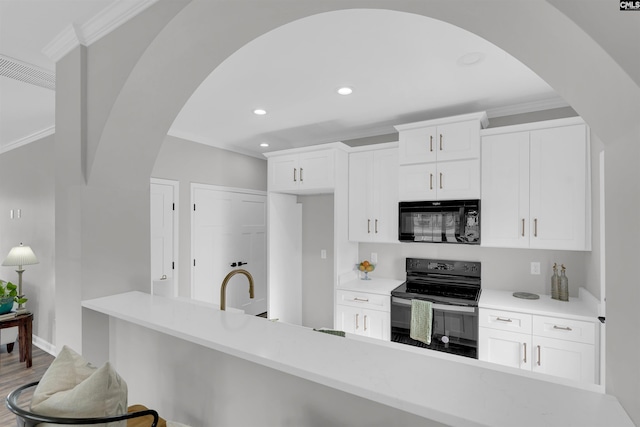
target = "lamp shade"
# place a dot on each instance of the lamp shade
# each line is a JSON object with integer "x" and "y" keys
{"x": 20, "y": 255}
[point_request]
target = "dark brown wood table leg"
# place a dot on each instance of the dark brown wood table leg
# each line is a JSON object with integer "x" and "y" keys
{"x": 10, "y": 347}
{"x": 28, "y": 339}
{"x": 21, "y": 340}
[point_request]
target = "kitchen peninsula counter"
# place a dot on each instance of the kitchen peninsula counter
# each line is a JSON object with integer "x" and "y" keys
{"x": 452, "y": 391}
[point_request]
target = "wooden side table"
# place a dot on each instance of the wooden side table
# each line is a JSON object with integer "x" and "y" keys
{"x": 24, "y": 322}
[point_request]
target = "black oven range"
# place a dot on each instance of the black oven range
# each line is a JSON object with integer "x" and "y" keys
{"x": 453, "y": 288}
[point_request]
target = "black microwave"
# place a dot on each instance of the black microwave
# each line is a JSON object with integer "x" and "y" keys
{"x": 446, "y": 221}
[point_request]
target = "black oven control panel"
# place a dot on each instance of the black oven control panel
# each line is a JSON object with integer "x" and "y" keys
{"x": 461, "y": 268}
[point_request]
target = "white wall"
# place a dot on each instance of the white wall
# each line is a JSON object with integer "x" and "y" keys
{"x": 190, "y": 162}
{"x": 26, "y": 183}
{"x": 317, "y": 273}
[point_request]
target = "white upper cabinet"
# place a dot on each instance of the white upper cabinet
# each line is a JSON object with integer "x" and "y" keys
{"x": 452, "y": 138}
{"x": 505, "y": 190}
{"x": 440, "y": 181}
{"x": 302, "y": 172}
{"x": 558, "y": 188}
{"x": 440, "y": 159}
{"x": 536, "y": 186}
{"x": 373, "y": 195}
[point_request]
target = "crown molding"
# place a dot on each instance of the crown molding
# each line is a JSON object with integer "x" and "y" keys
{"x": 528, "y": 107}
{"x": 27, "y": 139}
{"x": 110, "y": 18}
{"x": 62, "y": 44}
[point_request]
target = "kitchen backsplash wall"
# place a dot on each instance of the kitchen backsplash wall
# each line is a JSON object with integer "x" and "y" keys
{"x": 502, "y": 269}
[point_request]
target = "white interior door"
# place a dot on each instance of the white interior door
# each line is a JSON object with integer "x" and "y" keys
{"x": 229, "y": 232}
{"x": 163, "y": 236}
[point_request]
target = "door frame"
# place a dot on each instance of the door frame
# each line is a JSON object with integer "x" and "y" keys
{"x": 176, "y": 228}
{"x": 197, "y": 185}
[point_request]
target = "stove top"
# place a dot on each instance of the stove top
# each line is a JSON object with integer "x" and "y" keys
{"x": 440, "y": 281}
{"x": 439, "y": 294}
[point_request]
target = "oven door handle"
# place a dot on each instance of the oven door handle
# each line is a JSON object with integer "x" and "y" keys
{"x": 443, "y": 307}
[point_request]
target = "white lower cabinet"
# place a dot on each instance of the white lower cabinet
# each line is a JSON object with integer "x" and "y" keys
{"x": 549, "y": 345}
{"x": 567, "y": 359}
{"x": 505, "y": 348}
{"x": 363, "y": 314}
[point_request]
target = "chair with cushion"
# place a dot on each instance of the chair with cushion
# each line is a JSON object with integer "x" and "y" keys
{"x": 73, "y": 392}
{"x": 137, "y": 416}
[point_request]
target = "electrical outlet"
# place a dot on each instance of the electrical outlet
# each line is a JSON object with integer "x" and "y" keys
{"x": 374, "y": 257}
{"x": 323, "y": 253}
{"x": 535, "y": 268}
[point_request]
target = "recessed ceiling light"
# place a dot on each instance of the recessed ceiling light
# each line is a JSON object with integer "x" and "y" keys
{"x": 345, "y": 91}
{"x": 470, "y": 58}
{"x": 264, "y": 144}
{"x": 259, "y": 112}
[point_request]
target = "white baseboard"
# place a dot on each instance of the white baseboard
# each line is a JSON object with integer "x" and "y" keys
{"x": 44, "y": 345}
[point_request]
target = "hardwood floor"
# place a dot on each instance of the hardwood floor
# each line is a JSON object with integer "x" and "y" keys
{"x": 14, "y": 373}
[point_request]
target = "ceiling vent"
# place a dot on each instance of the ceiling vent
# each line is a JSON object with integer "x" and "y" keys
{"x": 27, "y": 73}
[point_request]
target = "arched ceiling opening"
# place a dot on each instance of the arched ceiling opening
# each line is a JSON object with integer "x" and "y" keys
{"x": 401, "y": 66}
{"x": 205, "y": 34}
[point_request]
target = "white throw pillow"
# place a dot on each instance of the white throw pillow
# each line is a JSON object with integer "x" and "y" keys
{"x": 72, "y": 387}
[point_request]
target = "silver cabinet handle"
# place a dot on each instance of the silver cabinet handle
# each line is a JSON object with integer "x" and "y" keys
{"x": 294, "y": 175}
{"x": 376, "y": 227}
{"x": 562, "y": 328}
{"x": 538, "y": 355}
{"x": 535, "y": 227}
{"x": 368, "y": 226}
{"x": 440, "y": 142}
{"x": 522, "y": 227}
{"x": 301, "y": 178}
{"x": 500, "y": 319}
{"x": 525, "y": 351}
{"x": 441, "y": 180}
{"x": 430, "y": 181}
{"x": 430, "y": 142}
{"x": 361, "y": 299}
{"x": 365, "y": 322}
{"x": 357, "y": 316}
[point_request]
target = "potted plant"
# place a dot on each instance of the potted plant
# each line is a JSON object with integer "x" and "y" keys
{"x": 9, "y": 295}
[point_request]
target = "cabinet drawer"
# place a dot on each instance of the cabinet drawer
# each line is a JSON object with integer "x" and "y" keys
{"x": 364, "y": 300}
{"x": 505, "y": 320}
{"x": 565, "y": 329}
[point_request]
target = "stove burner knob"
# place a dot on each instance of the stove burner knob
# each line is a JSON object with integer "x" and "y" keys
{"x": 445, "y": 339}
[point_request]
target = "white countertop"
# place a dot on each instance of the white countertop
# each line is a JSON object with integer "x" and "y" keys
{"x": 375, "y": 285}
{"x": 584, "y": 308}
{"x": 457, "y": 393}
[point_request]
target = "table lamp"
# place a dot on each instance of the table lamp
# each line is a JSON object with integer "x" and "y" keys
{"x": 19, "y": 256}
